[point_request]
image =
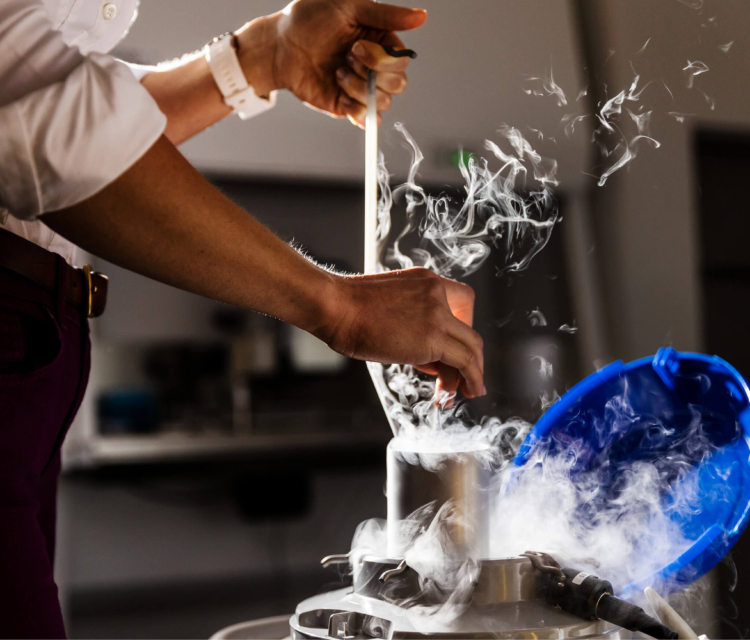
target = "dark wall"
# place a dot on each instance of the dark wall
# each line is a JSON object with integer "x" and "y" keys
{"x": 723, "y": 163}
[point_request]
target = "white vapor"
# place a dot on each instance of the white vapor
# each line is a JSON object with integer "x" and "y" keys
{"x": 549, "y": 88}
{"x": 536, "y": 318}
{"x": 694, "y": 69}
{"x": 610, "y": 119}
{"x": 511, "y": 207}
{"x": 566, "y": 328}
{"x": 693, "y": 4}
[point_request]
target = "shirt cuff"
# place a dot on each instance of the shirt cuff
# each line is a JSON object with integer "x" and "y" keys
{"x": 65, "y": 142}
{"x": 139, "y": 71}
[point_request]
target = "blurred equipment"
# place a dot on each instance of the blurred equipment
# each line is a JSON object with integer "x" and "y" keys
{"x": 127, "y": 411}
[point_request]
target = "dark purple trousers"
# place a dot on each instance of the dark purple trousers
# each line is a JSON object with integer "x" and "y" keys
{"x": 44, "y": 367}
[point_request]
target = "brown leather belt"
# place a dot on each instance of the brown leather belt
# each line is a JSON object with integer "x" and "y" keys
{"x": 85, "y": 290}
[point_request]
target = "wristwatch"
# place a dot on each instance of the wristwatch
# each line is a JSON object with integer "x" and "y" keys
{"x": 221, "y": 54}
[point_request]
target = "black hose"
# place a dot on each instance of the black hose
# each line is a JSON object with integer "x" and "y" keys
{"x": 630, "y": 616}
{"x": 591, "y": 598}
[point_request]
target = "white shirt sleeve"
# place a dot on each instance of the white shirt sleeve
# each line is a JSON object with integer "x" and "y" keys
{"x": 139, "y": 70}
{"x": 69, "y": 124}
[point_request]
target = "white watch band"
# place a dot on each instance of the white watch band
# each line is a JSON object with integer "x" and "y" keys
{"x": 226, "y": 70}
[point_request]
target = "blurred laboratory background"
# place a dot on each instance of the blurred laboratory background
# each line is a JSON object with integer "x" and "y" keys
{"x": 220, "y": 454}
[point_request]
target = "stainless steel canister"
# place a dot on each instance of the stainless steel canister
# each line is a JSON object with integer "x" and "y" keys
{"x": 419, "y": 478}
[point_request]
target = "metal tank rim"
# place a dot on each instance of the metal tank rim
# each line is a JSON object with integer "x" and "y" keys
{"x": 351, "y": 612}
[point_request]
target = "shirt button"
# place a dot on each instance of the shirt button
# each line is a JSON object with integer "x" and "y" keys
{"x": 109, "y": 11}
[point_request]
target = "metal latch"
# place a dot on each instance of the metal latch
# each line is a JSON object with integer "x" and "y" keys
{"x": 345, "y": 625}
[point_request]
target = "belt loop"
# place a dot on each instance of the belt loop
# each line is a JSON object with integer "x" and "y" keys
{"x": 61, "y": 289}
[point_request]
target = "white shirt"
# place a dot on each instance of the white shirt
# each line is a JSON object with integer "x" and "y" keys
{"x": 72, "y": 119}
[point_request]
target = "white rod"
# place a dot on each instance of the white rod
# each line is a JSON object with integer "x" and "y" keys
{"x": 371, "y": 224}
{"x": 371, "y": 177}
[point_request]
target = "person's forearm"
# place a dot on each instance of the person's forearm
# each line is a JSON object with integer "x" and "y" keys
{"x": 188, "y": 95}
{"x": 164, "y": 220}
{"x": 187, "y": 92}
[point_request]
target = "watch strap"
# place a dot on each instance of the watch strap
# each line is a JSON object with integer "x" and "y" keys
{"x": 227, "y": 72}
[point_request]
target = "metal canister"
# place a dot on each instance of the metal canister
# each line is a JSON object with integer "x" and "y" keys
{"x": 417, "y": 479}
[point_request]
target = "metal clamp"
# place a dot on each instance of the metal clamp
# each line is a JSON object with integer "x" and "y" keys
{"x": 545, "y": 563}
{"x": 340, "y": 558}
{"x": 387, "y": 575}
{"x": 344, "y": 625}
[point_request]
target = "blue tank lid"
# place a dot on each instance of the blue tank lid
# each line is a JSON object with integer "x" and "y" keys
{"x": 667, "y": 389}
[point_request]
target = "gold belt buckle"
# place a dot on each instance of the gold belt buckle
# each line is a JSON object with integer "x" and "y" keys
{"x": 90, "y": 289}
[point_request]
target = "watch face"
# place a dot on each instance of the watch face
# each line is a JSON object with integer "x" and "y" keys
{"x": 228, "y": 34}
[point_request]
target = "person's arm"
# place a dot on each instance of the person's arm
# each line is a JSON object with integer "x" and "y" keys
{"x": 163, "y": 220}
{"x": 320, "y": 50}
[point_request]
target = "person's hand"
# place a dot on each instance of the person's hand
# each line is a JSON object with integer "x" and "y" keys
{"x": 409, "y": 317}
{"x": 320, "y": 50}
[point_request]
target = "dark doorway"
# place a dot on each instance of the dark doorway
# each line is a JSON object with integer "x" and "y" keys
{"x": 723, "y": 166}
